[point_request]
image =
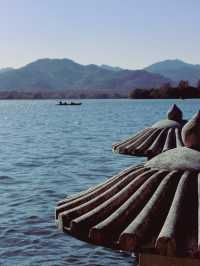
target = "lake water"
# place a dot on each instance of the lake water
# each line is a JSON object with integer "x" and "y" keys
{"x": 48, "y": 152}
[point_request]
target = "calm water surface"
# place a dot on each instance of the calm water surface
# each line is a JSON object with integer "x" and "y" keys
{"x": 48, "y": 152}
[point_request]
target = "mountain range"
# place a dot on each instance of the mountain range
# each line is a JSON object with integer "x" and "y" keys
{"x": 176, "y": 70}
{"x": 67, "y": 75}
{"x": 63, "y": 74}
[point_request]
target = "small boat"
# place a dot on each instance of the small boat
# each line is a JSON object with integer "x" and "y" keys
{"x": 69, "y": 103}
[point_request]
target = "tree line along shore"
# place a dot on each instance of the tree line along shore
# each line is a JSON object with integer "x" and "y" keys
{"x": 182, "y": 91}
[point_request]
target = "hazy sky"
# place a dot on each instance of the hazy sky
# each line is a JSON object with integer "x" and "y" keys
{"x": 126, "y": 33}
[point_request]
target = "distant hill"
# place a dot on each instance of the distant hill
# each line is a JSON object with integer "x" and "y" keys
{"x": 65, "y": 74}
{"x": 112, "y": 68}
{"x": 6, "y": 69}
{"x": 176, "y": 70}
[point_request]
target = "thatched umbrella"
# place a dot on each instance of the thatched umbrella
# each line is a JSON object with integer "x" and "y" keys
{"x": 152, "y": 207}
{"x": 162, "y": 136}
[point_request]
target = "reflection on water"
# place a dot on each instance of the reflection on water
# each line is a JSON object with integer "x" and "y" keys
{"x": 48, "y": 152}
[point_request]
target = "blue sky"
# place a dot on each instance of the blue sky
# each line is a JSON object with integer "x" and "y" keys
{"x": 126, "y": 33}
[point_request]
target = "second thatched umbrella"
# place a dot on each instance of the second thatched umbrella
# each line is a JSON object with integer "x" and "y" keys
{"x": 161, "y": 136}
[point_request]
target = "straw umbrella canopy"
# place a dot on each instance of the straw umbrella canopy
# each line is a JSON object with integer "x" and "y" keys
{"x": 151, "y": 207}
{"x": 161, "y": 136}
